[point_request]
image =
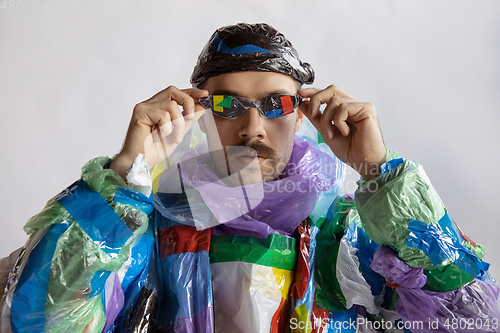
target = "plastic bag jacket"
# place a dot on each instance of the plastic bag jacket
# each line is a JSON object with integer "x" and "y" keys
{"x": 101, "y": 259}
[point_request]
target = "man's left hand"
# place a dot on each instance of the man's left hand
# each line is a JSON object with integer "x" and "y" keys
{"x": 349, "y": 127}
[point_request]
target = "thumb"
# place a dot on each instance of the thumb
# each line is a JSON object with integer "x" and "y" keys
{"x": 197, "y": 115}
{"x": 196, "y": 94}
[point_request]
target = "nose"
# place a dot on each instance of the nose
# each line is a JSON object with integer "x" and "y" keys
{"x": 251, "y": 125}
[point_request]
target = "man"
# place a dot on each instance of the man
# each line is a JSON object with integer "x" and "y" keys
{"x": 224, "y": 244}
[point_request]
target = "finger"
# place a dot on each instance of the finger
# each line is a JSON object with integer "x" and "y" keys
{"x": 166, "y": 143}
{"x": 148, "y": 115}
{"x": 165, "y": 129}
{"x": 185, "y": 123}
{"x": 321, "y": 97}
{"x": 180, "y": 98}
{"x": 340, "y": 118}
{"x": 190, "y": 122}
{"x": 179, "y": 127}
{"x": 313, "y": 104}
{"x": 338, "y": 111}
{"x": 196, "y": 93}
{"x": 327, "y": 119}
{"x": 162, "y": 116}
{"x": 177, "y": 121}
{"x": 314, "y": 119}
{"x": 155, "y": 119}
{"x": 187, "y": 99}
{"x": 308, "y": 92}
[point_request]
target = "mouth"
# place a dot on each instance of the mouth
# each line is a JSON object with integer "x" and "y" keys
{"x": 249, "y": 155}
{"x": 251, "y": 158}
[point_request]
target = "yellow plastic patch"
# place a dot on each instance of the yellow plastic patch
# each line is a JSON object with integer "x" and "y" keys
{"x": 284, "y": 279}
{"x": 217, "y": 100}
{"x": 156, "y": 173}
{"x": 300, "y": 322}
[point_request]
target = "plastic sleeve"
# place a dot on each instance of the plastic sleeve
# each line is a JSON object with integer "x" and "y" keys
{"x": 386, "y": 205}
{"x": 86, "y": 247}
{"x": 6, "y": 265}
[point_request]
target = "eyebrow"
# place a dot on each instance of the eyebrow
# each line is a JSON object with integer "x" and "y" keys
{"x": 233, "y": 93}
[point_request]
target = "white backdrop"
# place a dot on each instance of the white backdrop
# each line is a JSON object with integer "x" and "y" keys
{"x": 70, "y": 74}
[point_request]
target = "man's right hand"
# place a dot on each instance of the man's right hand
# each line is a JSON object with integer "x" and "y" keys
{"x": 158, "y": 126}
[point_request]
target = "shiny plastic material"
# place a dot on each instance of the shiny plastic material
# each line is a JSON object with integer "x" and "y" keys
{"x": 83, "y": 256}
{"x": 352, "y": 283}
{"x": 441, "y": 248}
{"x": 260, "y": 209}
{"x": 424, "y": 235}
{"x": 472, "y": 307}
{"x": 329, "y": 294}
{"x": 6, "y": 265}
{"x": 231, "y": 107}
{"x": 143, "y": 314}
{"x": 446, "y": 278}
{"x": 237, "y": 258}
{"x": 388, "y": 202}
{"x": 249, "y": 47}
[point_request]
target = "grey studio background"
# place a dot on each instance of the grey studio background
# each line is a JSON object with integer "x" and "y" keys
{"x": 71, "y": 73}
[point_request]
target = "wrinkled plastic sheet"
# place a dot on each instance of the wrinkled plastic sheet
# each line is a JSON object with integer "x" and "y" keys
{"x": 83, "y": 256}
{"x": 388, "y": 202}
{"x": 471, "y": 307}
{"x": 441, "y": 247}
{"x": 352, "y": 283}
{"x": 359, "y": 285}
{"x": 192, "y": 194}
{"x": 249, "y": 47}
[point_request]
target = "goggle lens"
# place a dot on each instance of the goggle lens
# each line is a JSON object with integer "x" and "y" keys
{"x": 231, "y": 107}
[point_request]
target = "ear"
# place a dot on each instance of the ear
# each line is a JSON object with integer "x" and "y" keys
{"x": 298, "y": 121}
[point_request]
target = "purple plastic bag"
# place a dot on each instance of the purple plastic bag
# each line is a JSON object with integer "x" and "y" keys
{"x": 251, "y": 209}
{"x": 472, "y": 308}
{"x": 114, "y": 299}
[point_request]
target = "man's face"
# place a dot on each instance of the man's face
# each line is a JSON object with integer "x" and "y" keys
{"x": 256, "y": 147}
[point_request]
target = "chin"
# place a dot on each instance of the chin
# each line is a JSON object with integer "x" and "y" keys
{"x": 251, "y": 177}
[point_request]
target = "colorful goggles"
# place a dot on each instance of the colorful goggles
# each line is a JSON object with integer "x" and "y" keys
{"x": 231, "y": 107}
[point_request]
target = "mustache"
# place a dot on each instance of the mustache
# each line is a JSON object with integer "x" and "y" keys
{"x": 261, "y": 148}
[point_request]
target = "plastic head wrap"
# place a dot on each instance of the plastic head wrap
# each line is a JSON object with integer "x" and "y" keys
{"x": 250, "y": 47}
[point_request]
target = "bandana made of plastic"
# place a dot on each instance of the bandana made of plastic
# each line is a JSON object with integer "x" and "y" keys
{"x": 250, "y": 47}
{"x": 204, "y": 201}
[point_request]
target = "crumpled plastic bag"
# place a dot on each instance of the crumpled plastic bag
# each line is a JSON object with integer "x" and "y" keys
{"x": 250, "y": 47}
{"x": 470, "y": 308}
{"x": 86, "y": 249}
{"x": 313, "y": 181}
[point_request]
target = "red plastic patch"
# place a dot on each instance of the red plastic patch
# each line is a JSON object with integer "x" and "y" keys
{"x": 319, "y": 318}
{"x": 392, "y": 285}
{"x": 286, "y": 103}
{"x": 182, "y": 239}
{"x": 298, "y": 288}
{"x": 464, "y": 236}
